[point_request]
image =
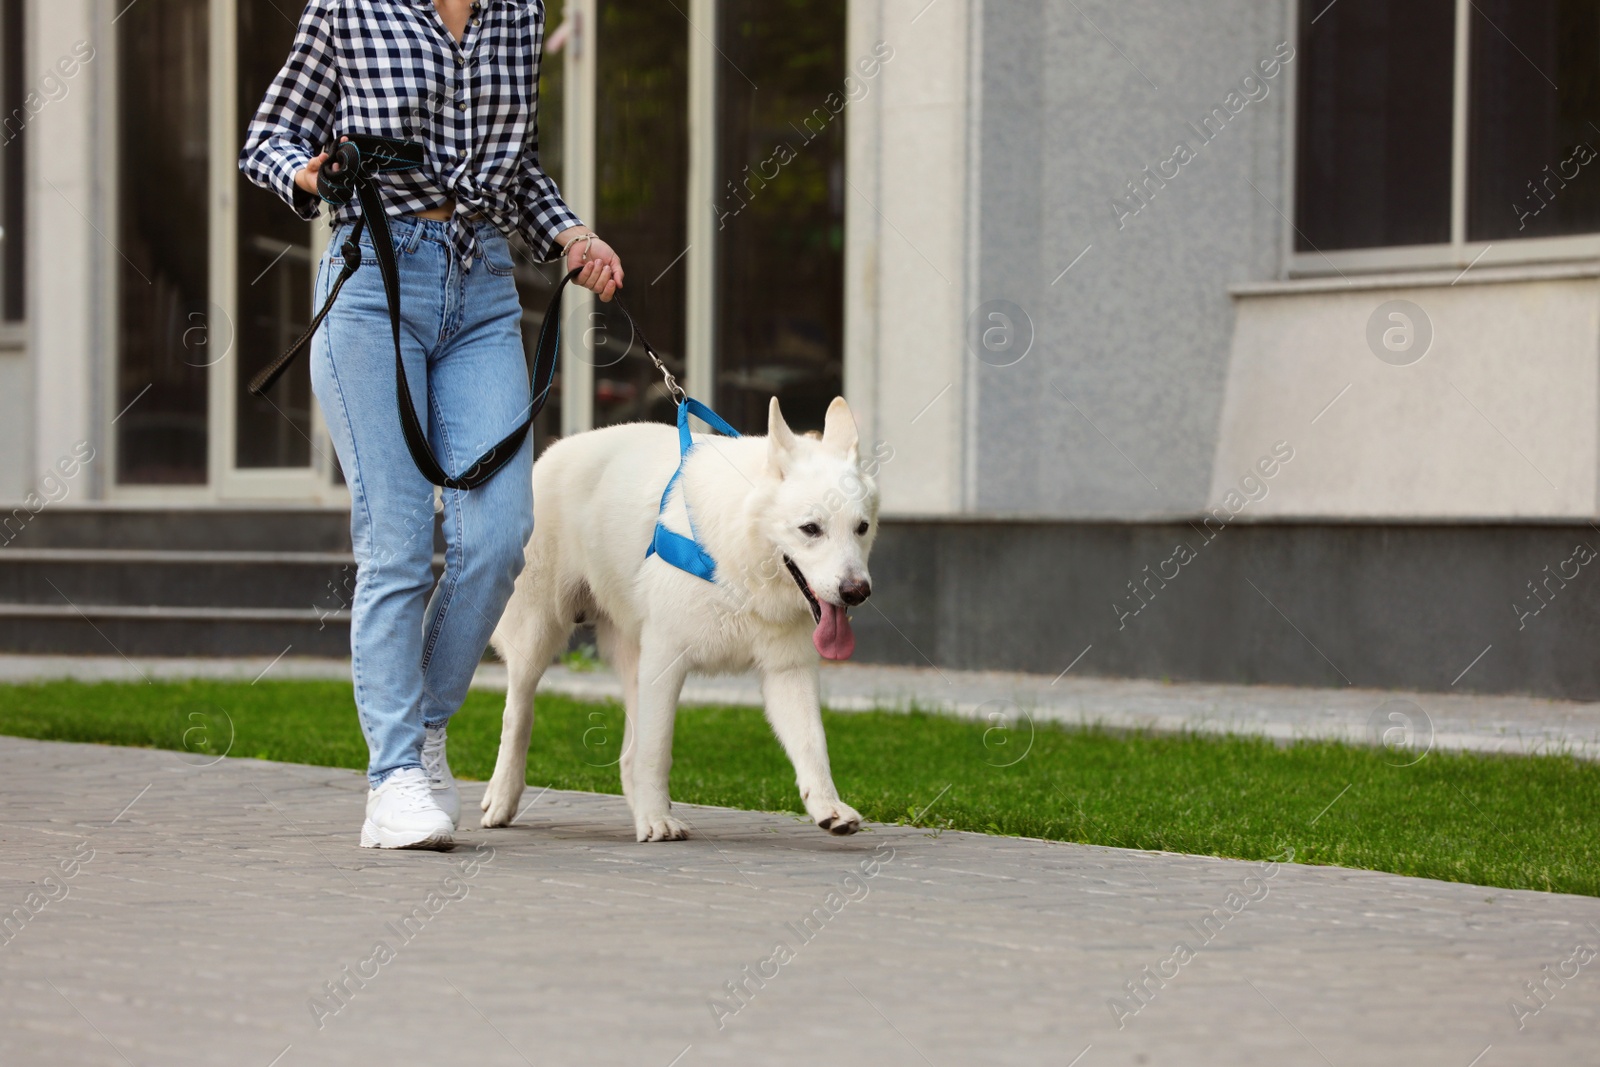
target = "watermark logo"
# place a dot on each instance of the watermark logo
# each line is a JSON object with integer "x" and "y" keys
{"x": 740, "y": 991}
{"x": 749, "y": 184}
{"x": 1542, "y": 594}
{"x": 1009, "y": 738}
{"x": 55, "y": 485}
{"x": 1139, "y": 992}
{"x": 605, "y": 337}
{"x": 53, "y": 87}
{"x": 1254, "y": 87}
{"x": 51, "y": 888}
{"x": 1542, "y": 191}
{"x": 999, "y": 333}
{"x": 340, "y": 991}
{"x": 1403, "y": 730}
{"x": 207, "y": 337}
{"x": 600, "y": 742}
{"x": 1252, "y": 488}
{"x": 1540, "y": 991}
{"x": 1399, "y": 333}
{"x": 205, "y": 734}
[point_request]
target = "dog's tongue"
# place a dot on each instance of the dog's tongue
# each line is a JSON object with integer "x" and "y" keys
{"x": 833, "y": 636}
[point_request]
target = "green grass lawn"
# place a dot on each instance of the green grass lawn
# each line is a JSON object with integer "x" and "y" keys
{"x": 1516, "y": 822}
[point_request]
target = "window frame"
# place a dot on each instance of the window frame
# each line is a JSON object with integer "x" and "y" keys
{"x": 314, "y": 485}
{"x": 13, "y": 331}
{"x": 1458, "y": 252}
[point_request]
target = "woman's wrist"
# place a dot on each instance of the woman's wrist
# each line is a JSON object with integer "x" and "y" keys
{"x": 586, "y": 239}
{"x": 565, "y": 238}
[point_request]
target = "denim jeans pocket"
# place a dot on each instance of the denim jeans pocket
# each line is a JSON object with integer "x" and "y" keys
{"x": 497, "y": 256}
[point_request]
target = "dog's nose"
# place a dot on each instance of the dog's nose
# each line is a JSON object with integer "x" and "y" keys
{"x": 854, "y": 590}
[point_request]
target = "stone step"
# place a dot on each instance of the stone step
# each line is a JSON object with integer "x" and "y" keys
{"x": 179, "y": 578}
{"x": 199, "y": 528}
{"x": 134, "y": 630}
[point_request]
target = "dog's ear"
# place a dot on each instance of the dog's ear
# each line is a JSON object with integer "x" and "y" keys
{"x": 781, "y": 441}
{"x": 839, "y": 430}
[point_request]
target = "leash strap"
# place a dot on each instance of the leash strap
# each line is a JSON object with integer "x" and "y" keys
{"x": 685, "y": 553}
{"x": 372, "y": 156}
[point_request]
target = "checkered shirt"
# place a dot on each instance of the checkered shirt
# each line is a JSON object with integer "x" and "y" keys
{"x": 390, "y": 68}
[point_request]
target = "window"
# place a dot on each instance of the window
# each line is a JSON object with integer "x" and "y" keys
{"x": 13, "y": 145}
{"x": 642, "y": 179}
{"x": 1533, "y": 141}
{"x": 1379, "y": 163}
{"x": 1374, "y": 130}
{"x": 167, "y": 326}
{"x": 273, "y": 272}
{"x": 779, "y": 205}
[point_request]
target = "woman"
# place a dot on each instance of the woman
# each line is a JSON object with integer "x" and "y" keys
{"x": 460, "y": 77}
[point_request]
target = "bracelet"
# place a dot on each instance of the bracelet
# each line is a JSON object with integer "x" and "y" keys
{"x": 588, "y": 238}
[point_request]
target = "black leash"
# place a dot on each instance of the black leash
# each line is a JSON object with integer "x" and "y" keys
{"x": 360, "y": 159}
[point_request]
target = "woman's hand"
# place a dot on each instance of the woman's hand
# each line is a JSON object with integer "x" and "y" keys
{"x": 306, "y": 177}
{"x": 602, "y": 268}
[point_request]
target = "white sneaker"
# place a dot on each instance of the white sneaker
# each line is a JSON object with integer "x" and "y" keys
{"x": 437, "y": 768}
{"x": 402, "y": 813}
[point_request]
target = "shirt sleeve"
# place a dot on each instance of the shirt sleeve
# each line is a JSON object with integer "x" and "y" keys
{"x": 541, "y": 213}
{"x": 295, "y": 119}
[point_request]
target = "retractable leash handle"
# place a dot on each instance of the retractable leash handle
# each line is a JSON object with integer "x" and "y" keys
{"x": 360, "y": 159}
{"x": 336, "y": 180}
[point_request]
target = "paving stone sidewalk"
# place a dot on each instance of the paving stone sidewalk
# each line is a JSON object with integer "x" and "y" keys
{"x": 162, "y": 911}
{"x": 1509, "y": 724}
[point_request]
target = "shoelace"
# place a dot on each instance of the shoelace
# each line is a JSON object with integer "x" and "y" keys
{"x": 413, "y": 790}
{"x": 433, "y": 760}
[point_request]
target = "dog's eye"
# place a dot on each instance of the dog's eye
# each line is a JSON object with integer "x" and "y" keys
{"x": 861, "y": 531}
{"x": 811, "y": 529}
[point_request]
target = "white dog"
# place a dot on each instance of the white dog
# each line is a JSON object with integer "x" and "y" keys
{"x": 772, "y": 512}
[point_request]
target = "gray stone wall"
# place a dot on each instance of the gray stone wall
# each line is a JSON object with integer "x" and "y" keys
{"x": 1114, "y": 410}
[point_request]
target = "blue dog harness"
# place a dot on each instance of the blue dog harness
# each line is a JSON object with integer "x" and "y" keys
{"x": 686, "y": 553}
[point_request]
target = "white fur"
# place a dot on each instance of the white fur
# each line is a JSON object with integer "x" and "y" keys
{"x": 596, "y": 495}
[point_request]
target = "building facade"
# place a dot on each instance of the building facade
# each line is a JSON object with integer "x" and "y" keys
{"x": 1244, "y": 340}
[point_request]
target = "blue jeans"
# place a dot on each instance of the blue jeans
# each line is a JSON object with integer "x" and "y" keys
{"x": 413, "y": 655}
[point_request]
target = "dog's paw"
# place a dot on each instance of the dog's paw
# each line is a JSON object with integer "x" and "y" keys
{"x": 834, "y": 816}
{"x": 661, "y": 827}
{"x": 499, "y": 804}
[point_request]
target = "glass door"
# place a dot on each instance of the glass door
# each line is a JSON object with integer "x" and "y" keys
{"x": 161, "y": 429}
{"x": 779, "y": 203}
{"x": 214, "y": 274}
{"x": 642, "y": 198}
{"x": 697, "y": 174}
{"x": 272, "y": 274}
{"x": 264, "y": 267}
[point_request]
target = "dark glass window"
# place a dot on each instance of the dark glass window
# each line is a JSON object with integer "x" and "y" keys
{"x": 779, "y": 207}
{"x": 13, "y": 171}
{"x": 536, "y": 282}
{"x": 1374, "y": 126}
{"x": 273, "y": 272}
{"x": 1534, "y": 145}
{"x": 169, "y": 333}
{"x": 642, "y": 156}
